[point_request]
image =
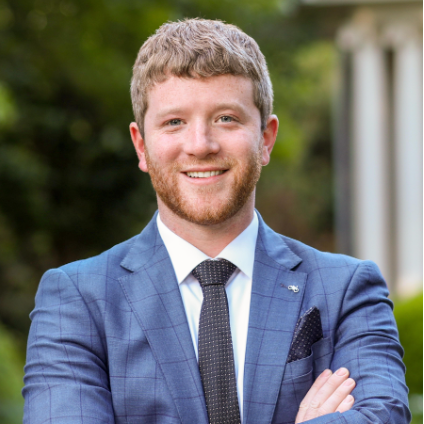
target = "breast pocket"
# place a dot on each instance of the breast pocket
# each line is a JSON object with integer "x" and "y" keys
{"x": 298, "y": 379}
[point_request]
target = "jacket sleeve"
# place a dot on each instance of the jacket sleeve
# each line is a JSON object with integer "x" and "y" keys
{"x": 66, "y": 376}
{"x": 367, "y": 343}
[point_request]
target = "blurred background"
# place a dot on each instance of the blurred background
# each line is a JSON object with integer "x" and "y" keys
{"x": 346, "y": 172}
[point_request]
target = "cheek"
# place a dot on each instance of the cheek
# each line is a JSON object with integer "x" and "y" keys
{"x": 166, "y": 158}
{"x": 243, "y": 147}
{"x": 232, "y": 142}
{"x": 163, "y": 151}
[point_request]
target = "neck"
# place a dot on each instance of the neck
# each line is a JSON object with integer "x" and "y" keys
{"x": 210, "y": 239}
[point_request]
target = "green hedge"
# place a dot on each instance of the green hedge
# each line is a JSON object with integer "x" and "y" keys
{"x": 409, "y": 317}
{"x": 11, "y": 374}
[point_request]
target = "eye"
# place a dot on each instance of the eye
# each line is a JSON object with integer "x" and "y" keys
{"x": 226, "y": 119}
{"x": 174, "y": 122}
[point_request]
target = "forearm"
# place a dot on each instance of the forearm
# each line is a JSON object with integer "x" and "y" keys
{"x": 366, "y": 343}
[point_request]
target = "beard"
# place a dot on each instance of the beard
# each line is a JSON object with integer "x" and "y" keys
{"x": 206, "y": 205}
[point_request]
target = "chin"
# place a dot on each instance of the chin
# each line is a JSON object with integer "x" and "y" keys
{"x": 206, "y": 215}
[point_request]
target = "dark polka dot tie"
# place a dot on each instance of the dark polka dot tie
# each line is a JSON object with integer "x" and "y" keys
{"x": 216, "y": 358}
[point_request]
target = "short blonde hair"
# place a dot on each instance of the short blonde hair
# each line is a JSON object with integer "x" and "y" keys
{"x": 199, "y": 48}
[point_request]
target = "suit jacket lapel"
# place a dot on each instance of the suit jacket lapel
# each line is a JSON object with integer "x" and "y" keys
{"x": 274, "y": 311}
{"x": 152, "y": 291}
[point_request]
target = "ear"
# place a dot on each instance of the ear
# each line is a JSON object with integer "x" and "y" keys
{"x": 138, "y": 142}
{"x": 269, "y": 137}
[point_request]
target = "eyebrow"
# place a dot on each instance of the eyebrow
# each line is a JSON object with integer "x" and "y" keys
{"x": 170, "y": 111}
{"x": 220, "y": 106}
{"x": 236, "y": 106}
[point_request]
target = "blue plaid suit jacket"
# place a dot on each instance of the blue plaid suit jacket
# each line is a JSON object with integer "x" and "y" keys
{"x": 109, "y": 340}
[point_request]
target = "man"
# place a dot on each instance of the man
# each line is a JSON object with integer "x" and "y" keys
{"x": 147, "y": 333}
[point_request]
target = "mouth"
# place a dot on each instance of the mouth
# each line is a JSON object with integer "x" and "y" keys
{"x": 206, "y": 174}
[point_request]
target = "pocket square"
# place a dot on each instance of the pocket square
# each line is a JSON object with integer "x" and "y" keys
{"x": 308, "y": 331}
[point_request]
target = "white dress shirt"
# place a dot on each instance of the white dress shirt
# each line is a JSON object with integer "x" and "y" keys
{"x": 241, "y": 252}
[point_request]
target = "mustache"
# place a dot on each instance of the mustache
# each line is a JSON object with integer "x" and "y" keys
{"x": 215, "y": 162}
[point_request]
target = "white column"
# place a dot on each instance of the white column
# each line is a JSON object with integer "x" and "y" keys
{"x": 408, "y": 160}
{"x": 370, "y": 156}
{"x": 369, "y": 141}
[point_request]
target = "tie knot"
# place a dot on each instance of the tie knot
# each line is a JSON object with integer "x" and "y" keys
{"x": 212, "y": 272}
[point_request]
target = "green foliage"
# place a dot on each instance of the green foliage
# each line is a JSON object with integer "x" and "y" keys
{"x": 69, "y": 183}
{"x": 7, "y": 108}
{"x": 11, "y": 374}
{"x": 70, "y": 186}
{"x": 416, "y": 407}
{"x": 295, "y": 193}
{"x": 409, "y": 318}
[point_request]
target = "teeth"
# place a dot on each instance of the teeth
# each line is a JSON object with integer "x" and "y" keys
{"x": 204, "y": 174}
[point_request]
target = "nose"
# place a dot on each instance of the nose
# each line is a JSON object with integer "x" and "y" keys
{"x": 200, "y": 141}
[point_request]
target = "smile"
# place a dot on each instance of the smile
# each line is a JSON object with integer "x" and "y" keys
{"x": 206, "y": 174}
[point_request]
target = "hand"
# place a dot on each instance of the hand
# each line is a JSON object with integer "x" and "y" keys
{"x": 330, "y": 393}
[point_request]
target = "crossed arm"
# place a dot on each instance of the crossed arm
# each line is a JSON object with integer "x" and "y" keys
{"x": 66, "y": 368}
{"x": 366, "y": 343}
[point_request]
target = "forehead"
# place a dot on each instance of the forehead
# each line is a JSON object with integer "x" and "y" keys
{"x": 189, "y": 92}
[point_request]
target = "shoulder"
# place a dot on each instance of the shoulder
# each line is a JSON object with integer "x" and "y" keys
{"x": 93, "y": 278}
{"x": 98, "y": 277}
{"x": 335, "y": 270}
{"x": 313, "y": 258}
{"x": 120, "y": 259}
{"x": 107, "y": 262}
{"x": 295, "y": 255}
{"x": 326, "y": 267}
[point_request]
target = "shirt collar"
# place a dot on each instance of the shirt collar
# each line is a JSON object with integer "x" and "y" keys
{"x": 185, "y": 257}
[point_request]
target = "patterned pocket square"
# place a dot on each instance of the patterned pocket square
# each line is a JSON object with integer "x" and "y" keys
{"x": 308, "y": 331}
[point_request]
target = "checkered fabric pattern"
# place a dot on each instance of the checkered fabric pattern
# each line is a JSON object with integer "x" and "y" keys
{"x": 110, "y": 343}
{"x": 216, "y": 358}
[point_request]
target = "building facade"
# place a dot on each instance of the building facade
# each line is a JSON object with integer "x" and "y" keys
{"x": 378, "y": 121}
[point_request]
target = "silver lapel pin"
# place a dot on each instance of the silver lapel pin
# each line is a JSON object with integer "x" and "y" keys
{"x": 294, "y": 289}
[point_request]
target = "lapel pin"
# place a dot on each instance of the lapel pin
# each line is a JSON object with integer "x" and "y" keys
{"x": 294, "y": 289}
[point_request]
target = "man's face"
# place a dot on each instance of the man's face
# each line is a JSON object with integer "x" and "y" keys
{"x": 203, "y": 146}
